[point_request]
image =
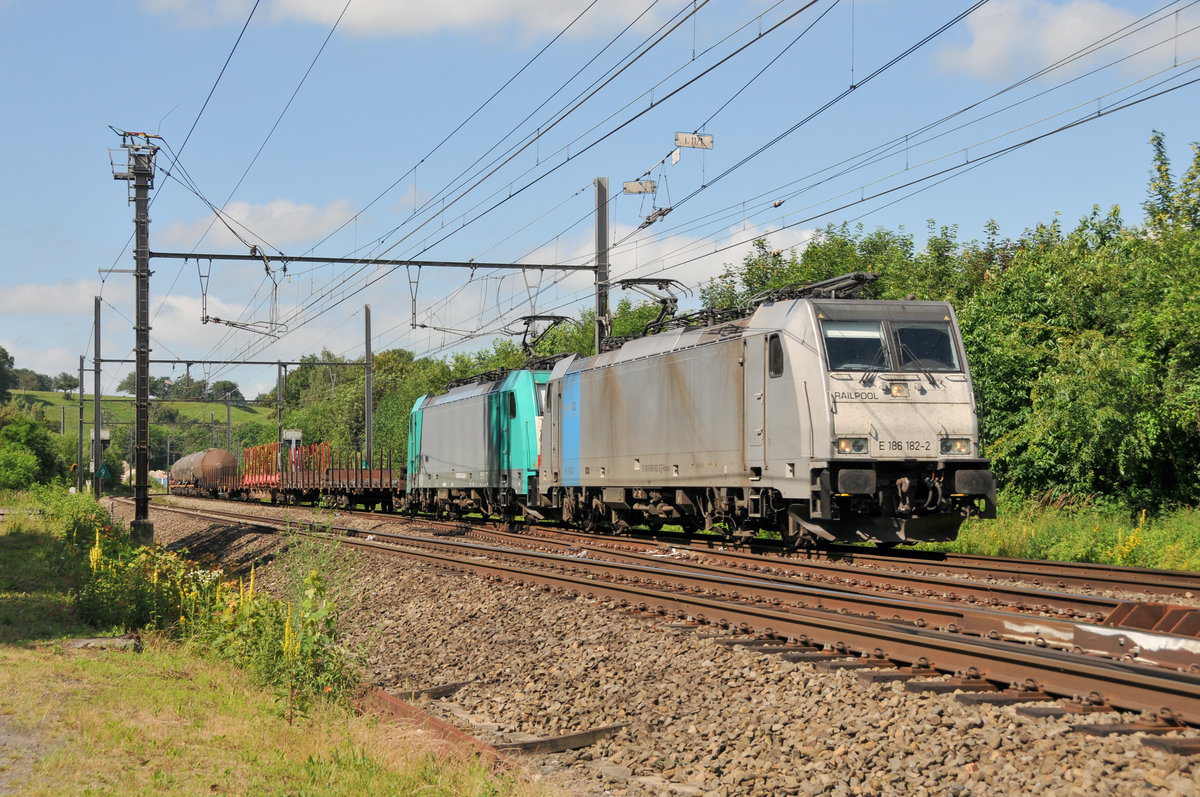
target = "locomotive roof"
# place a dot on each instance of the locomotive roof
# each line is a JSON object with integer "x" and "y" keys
{"x": 863, "y": 310}
{"x": 481, "y": 388}
{"x": 768, "y": 317}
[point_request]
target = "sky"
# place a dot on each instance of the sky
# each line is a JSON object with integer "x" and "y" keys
{"x": 473, "y": 130}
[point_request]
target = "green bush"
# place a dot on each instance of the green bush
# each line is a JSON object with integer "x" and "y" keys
{"x": 131, "y": 588}
{"x": 292, "y": 647}
{"x": 18, "y": 467}
{"x": 1083, "y": 531}
{"x": 289, "y": 645}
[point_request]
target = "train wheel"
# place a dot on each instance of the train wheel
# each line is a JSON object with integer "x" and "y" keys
{"x": 590, "y": 521}
{"x": 791, "y": 536}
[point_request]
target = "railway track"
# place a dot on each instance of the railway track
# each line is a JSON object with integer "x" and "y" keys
{"x": 1008, "y": 656}
{"x": 1050, "y": 575}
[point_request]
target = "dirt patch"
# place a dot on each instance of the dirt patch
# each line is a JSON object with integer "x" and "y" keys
{"x": 19, "y": 751}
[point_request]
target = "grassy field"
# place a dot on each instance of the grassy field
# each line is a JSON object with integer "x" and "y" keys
{"x": 120, "y": 409}
{"x": 165, "y": 720}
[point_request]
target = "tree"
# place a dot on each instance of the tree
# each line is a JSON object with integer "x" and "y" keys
{"x": 1159, "y": 204}
{"x": 23, "y": 432}
{"x": 66, "y": 382}
{"x": 31, "y": 380}
{"x": 18, "y": 467}
{"x": 1168, "y": 205}
{"x": 218, "y": 389}
{"x": 1187, "y": 197}
{"x": 128, "y": 384}
{"x": 157, "y": 386}
{"x": 186, "y": 388}
{"x": 761, "y": 269}
{"x": 1084, "y": 361}
{"x": 7, "y": 379}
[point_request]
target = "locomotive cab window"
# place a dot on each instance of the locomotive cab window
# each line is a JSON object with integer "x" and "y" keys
{"x": 543, "y": 398}
{"x": 775, "y": 356}
{"x": 926, "y": 347}
{"x": 854, "y": 345}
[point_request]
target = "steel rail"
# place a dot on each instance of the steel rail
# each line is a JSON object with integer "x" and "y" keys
{"x": 1157, "y": 649}
{"x": 1037, "y": 571}
{"x": 1115, "y": 640}
{"x": 837, "y": 576}
{"x": 1122, "y": 684}
{"x": 1048, "y": 574}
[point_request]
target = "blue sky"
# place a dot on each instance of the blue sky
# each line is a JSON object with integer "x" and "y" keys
{"x": 392, "y": 145}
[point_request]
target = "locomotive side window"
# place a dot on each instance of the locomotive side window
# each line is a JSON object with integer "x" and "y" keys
{"x": 854, "y": 345}
{"x": 926, "y": 347}
{"x": 775, "y": 356}
{"x": 543, "y": 399}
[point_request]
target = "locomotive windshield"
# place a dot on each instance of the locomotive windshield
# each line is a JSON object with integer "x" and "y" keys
{"x": 890, "y": 346}
{"x": 926, "y": 347}
{"x": 855, "y": 345}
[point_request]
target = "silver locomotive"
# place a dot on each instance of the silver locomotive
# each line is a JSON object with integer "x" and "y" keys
{"x": 821, "y": 417}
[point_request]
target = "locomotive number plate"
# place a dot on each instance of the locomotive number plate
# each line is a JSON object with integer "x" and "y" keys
{"x": 904, "y": 445}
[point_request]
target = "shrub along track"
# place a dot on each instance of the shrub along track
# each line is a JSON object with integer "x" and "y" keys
{"x": 826, "y": 637}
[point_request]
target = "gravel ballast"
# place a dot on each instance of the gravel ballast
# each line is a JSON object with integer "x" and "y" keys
{"x": 702, "y": 717}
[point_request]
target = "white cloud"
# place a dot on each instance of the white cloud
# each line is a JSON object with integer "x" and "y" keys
{"x": 50, "y": 361}
{"x": 408, "y": 17}
{"x": 63, "y": 298}
{"x": 411, "y": 200}
{"x": 281, "y": 223}
{"x": 1009, "y": 38}
{"x": 200, "y": 13}
{"x": 692, "y": 261}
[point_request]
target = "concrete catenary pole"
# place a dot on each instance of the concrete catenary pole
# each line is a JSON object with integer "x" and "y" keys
{"x": 79, "y": 458}
{"x": 603, "y": 320}
{"x": 370, "y": 407}
{"x": 279, "y": 417}
{"x": 97, "y": 451}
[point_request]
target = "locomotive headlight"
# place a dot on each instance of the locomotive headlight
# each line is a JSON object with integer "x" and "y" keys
{"x": 899, "y": 390}
{"x": 956, "y": 445}
{"x": 852, "y": 445}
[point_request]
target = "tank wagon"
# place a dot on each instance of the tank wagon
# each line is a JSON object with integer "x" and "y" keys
{"x": 203, "y": 468}
{"x": 475, "y": 447}
{"x": 823, "y": 418}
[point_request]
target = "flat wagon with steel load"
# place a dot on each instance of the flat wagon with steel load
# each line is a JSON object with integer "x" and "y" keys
{"x": 314, "y": 473}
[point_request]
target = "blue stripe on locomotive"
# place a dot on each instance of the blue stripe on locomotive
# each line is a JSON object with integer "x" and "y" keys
{"x": 571, "y": 412}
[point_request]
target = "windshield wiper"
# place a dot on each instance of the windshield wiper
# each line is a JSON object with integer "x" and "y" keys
{"x": 905, "y": 350}
{"x": 869, "y": 376}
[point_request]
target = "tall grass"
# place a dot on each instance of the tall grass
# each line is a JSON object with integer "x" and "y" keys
{"x": 290, "y": 645}
{"x": 1089, "y": 532}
